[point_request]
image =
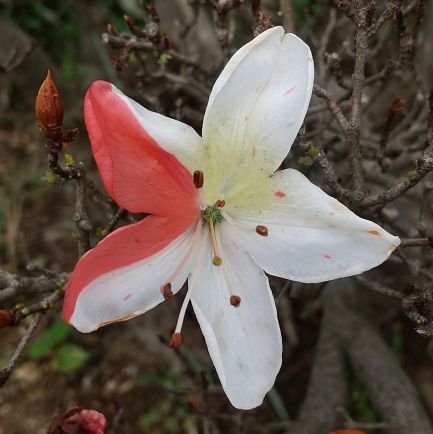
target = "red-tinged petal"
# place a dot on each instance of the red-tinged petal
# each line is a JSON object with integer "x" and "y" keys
{"x": 137, "y": 172}
{"x": 123, "y": 275}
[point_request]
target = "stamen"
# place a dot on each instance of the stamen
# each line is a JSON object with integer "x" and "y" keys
{"x": 182, "y": 312}
{"x": 175, "y": 340}
{"x": 217, "y": 261}
{"x": 166, "y": 291}
{"x": 176, "y": 337}
{"x": 262, "y": 230}
{"x": 235, "y": 300}
{"x": 220, "y": 203}
{"x": 166, "y": 288}
{"x": 198, "y": 178}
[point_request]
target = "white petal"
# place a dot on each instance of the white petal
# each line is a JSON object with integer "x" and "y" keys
{"x": 311, "y": 236}
{"x": 132, "y": 290}
{"x": 174, "y": 136}
{"x": 244, "y": 342}
{"x": 259, "y": 102}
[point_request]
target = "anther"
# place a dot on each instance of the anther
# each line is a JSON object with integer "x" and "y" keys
{"x": 217, "y": 261}
{"x": 262, "y": 230}
{"x": 235, "y": 300}
{"x": 220, "y": 203}
{"x": 198, "y": 178}
{"x": 166, "y": 291}
{"x": 175, "y": 340}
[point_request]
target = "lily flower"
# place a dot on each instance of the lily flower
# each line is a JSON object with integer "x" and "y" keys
{"x": 220, "y": 214}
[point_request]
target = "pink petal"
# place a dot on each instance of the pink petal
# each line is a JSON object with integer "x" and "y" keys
{"x": 122, "y": 248}
{"x": 138, "y": 174}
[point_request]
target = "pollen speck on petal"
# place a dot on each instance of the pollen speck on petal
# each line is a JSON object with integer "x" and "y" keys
{"x": 289, "y": 90}
{"x": 280, "y": 194}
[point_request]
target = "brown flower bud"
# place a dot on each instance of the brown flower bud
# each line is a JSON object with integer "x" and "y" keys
{"x": 49, "y": 109}
{"x": 6, "y": 318}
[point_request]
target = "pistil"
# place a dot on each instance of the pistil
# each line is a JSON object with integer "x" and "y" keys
{"x": 216, "y": 260}
{"x": 166, "y": 289}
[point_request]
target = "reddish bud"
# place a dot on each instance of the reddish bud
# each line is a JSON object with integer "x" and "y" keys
{"x": 92, "y": 421}
{"x": 128, "y": 20}
{"x": 235, "y": 300}
{"x": 6, "y": 318}
{"x": 262, "y": 230}
{"x": 78, "y": 421}
{"x": 193, "y": 402}
{"x": 397, "y": 105}
{"x": 49, "y": 109}
{"x": 175, "y": 340}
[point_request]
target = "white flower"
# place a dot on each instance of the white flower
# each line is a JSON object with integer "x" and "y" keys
{"x": 220, "y": 214}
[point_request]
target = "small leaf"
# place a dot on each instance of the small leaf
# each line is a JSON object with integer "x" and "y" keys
{"x": 70, "y": 358}
{"x": 69, "y": 158}
{"x": 54, "y": 335}
{"x": 164, "y": 58}
{"x": 51, "y": 177}
{"x": 306, "y": 161}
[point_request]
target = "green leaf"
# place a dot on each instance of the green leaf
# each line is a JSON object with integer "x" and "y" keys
{"x": 69, "y": 158}
{"x": 164, "y": 58}
{"x": 306, "y": 161}
{"x": 69, "y": 358}
{"x": 54, "y": 335}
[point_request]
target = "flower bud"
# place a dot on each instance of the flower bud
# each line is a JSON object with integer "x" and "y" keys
{"x": 49, "y": 109}
{"x": 6, "y": 318}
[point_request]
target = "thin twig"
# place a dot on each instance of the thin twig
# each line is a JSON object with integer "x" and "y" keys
{"x": 6, "y": 372}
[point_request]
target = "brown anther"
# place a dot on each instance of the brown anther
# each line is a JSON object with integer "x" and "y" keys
{"x": 235, "y": 300}
{"x": 262, "y": 230}
{"x": 198, "y": 178}
{"x": 175, "y": 340}
{"x": 166, "y": 291}
{"x": 49, "y": 109}
{"x": 217, "y": 261}
{"x": 220, "y": 203}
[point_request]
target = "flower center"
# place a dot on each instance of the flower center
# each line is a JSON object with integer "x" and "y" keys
{"x": 212, "y": 213}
